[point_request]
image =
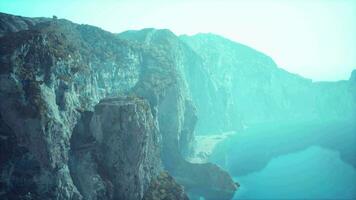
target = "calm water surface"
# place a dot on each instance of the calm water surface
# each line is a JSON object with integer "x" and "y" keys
{"x": 314, "y": 173}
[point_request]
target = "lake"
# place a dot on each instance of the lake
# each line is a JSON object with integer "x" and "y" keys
{"x": 314, "y": 173}
{"x": 312, "y": 160}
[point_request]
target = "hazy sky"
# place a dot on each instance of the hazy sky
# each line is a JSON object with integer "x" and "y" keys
{"x": 314, "y": 38}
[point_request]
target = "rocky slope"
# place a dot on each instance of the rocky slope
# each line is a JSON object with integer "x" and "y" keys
{"x": 86, "y": 115}
{"x": 207, "y": 97}
{"x": 12, "y": 24}
{"x": 195, "y": 177}
{"x": 243, "y": 75}
{"x": 224, "y": 78}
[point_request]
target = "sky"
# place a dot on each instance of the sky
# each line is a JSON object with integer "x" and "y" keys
{"x": 313, "y": 38}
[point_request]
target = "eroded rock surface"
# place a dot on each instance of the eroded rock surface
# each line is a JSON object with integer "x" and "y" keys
{"x": 57, "y": 83}
{"x": 116, "y": 150}
{"x": 164, "y": 187}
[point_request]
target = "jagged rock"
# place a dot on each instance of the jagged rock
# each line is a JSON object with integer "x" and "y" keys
{"x": 53, "y": 75}
{"x": 177, "y": 119}
{"x": 47, "y": 75}
{"x": 164, "y": 187}
{"x": 116, "y": 150}
{"x": 42, "y": 72}
{"x": 198, "y": 85}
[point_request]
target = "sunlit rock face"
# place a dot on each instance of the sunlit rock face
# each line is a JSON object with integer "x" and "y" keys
{"x": 70, "y": 134}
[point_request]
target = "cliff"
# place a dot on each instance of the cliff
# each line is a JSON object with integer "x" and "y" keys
{"x": 177, "y": 116}
{"x": 224, "y": 79}
{"x": 252, "y": 90}
{"x": 87, "y": 115}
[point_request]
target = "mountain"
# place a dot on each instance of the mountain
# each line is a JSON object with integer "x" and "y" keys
{"x": 224, "y": 80}
{"x": 12, "y": 24}
{"x": 87, "y": 115}
{"x": 200, "y": 88}
{"x": 253, "y": 90}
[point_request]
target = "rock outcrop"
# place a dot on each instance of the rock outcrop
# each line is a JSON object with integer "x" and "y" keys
{"x": 165, "y": 187}
{"x": 91, "y": 116}
{"x": 48, "y": 74}
{"x": 118, "y": 154}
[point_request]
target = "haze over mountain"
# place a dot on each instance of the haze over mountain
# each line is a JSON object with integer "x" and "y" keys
{"x": 318, "y": 34}
{"x": 89, "y": 114}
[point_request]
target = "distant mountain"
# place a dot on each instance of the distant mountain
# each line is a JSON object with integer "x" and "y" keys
{"x": 233, "y": 85}
{"x": 257, "y": 91}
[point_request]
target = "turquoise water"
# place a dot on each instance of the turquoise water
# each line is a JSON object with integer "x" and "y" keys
{"x": 309, "y": 160}
{"x": 313, "y": 173}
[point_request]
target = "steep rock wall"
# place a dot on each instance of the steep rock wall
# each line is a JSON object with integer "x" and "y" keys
{"x": 119, "y": 154}
{"x": 255, "y": 91}
{"x": 177, "y": 118}
{"x": 53, "y": 76}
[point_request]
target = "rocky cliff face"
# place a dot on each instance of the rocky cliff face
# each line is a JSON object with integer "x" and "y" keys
{"x": 224, "y": 78}
{"x": 118, "y": 154}
{"x": 207, "y": 97}
{"x": 48, "y": 74}
{"x": 86, "y": 115}
{"x": 176, "y": 116}
{"x": 243, "y": 75}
